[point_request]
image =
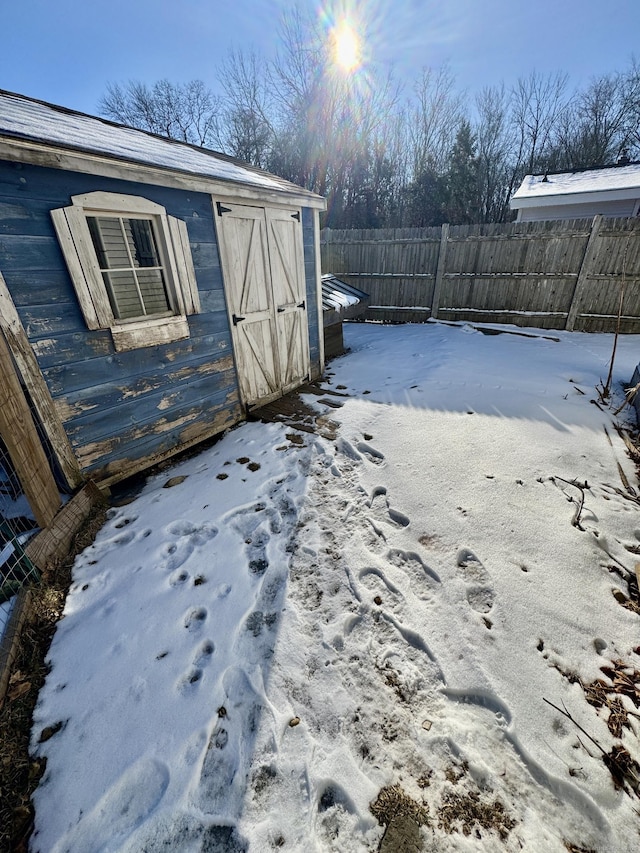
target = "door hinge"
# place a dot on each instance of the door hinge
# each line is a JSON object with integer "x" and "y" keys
{"x": 281, "y": 310}
{"x": 237, "y": 319}
{"x": 302, "y": 304}
{"x": 222, "y": 209}
{"x": 296, "y": 215}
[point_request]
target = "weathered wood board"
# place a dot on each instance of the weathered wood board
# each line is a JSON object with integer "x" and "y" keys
{"x": 117, "y": 411}
{"x": 555, "y": 275}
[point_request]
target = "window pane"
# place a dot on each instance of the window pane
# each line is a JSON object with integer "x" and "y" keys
{"x": 153, "y": 291}
{"x": 131, "y": 267}
{"x": 108, "y": 241}
{"x": 123, "y": 294}
{"x": 142, "y": 242}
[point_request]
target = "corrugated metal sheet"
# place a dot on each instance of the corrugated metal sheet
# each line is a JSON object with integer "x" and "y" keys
{"x": 342, "y": 298}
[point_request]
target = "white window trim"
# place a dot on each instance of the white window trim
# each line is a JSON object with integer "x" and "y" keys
{"x": 77, "y": 247}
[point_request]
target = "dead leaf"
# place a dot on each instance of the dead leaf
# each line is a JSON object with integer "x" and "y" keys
{"x": 18, "y": 690}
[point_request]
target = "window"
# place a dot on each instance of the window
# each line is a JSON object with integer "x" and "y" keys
{"x": 131, "y": 267}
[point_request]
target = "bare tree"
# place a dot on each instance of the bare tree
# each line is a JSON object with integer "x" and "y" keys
{"x": 434, "y": 119}
{"x": 601, "y": 122}
{"x": 494, "y": 141}
{"x": 537, "y": 102}
{"x": 633, "y": 100}
{"x": 185, "y": 111}
{"x": 330, "y": 127}
{"x": 247, "y": 131}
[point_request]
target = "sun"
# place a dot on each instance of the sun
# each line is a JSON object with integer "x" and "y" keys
{"x": 347, "y": 50}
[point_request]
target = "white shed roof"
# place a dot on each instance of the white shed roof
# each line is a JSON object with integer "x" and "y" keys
{"x": 23, "y": 118}
{"x": 610, "y": 183}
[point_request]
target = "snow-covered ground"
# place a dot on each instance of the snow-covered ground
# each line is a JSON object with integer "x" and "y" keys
{"x": 249, "y": 656}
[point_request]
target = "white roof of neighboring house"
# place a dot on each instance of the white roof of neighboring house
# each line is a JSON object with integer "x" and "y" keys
{"x": 607, "y": 184}
{"x": 23, "y": 118}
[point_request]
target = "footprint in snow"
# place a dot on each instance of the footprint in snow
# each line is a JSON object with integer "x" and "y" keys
{"x": 347, "y": 449}
{"x": 174, "y": 554}
{"x": 223, "y": 776}
{"x": 480, "y": 593}
{"x": 370, "y": 453}
{"x": 256, "y": 551}
{"x": 191, "y": 679}
{"x": 120, "y": 538}
{"x": 125, "y": 805}
{"x": 203, "y": 654}
{"x": 413, "y": 562}
{"x": 195, "y": 619}
{"x": 178, "y": 578}
{"x": 198, "y": 533}
{"x": 382, "y": 512}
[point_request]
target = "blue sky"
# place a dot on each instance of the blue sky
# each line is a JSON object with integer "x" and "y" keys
{"x": 65, "y": 51}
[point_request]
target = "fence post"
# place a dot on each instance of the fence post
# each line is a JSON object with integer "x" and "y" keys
{"x": 442, "y": 257}
{"x": 585, "y": 268}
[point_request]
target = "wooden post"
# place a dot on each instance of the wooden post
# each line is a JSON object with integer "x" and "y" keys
{"x": 442, "y": 259}
{"x": 18, "y": 343}
{"x": 585, "y": 268}
{"x": 21, "y": 438}
{"x": 318, "y": 250}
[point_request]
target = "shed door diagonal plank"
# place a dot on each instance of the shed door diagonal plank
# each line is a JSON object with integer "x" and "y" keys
{"x": 245, "y": 261}
{"x": 287, "y": 276}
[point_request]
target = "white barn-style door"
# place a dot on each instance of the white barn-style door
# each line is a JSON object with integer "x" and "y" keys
{"x": 262, "y": 259}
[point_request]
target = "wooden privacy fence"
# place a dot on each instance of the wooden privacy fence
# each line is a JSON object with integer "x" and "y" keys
{"x": 553, "y": 275}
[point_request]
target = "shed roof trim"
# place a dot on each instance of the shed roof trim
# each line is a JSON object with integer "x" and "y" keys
{"x": 623, "y": 181}
{"x": 28, "y": 119}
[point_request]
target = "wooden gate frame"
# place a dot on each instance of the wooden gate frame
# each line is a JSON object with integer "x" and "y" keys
{"x": 18, "y": 364}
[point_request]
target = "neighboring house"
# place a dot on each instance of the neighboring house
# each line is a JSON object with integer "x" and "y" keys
{"x": 151, "y": 292}
{"x": 611, "y": 191}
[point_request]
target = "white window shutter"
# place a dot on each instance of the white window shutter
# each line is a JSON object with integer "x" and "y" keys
{"x": 184, "y": 264}
{"x": 75, "y": 241}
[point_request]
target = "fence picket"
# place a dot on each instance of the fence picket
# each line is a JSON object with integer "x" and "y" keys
{"x": 553, "y": 274}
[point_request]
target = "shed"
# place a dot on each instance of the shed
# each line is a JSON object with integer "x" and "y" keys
{"x": 151, "y": 293}
{"x": 610, "y": 191}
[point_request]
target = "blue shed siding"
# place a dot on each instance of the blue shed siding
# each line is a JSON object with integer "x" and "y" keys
{"x": 117, "y": 408}
{"x": 312, "y": 290}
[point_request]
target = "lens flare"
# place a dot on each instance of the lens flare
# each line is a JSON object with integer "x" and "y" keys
{"x": 347, "y": 50}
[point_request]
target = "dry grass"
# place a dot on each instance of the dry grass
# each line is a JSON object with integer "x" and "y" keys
{"x": 392, "y": 802}
{"x": 19, "y": 774}
{"x": 465, "y": 812}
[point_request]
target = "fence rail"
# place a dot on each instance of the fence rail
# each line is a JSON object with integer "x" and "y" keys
{"x": 556, "y": 275}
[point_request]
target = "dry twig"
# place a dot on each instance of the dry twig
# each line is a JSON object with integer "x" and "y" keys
{"x": 575, "y": 521}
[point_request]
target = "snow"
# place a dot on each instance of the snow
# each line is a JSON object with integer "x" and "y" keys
{"x": 23, "y": 117}
{"x": 248, "y": 657}
{"x": 336, "y": 299}
{"x": 567, "y": 183}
